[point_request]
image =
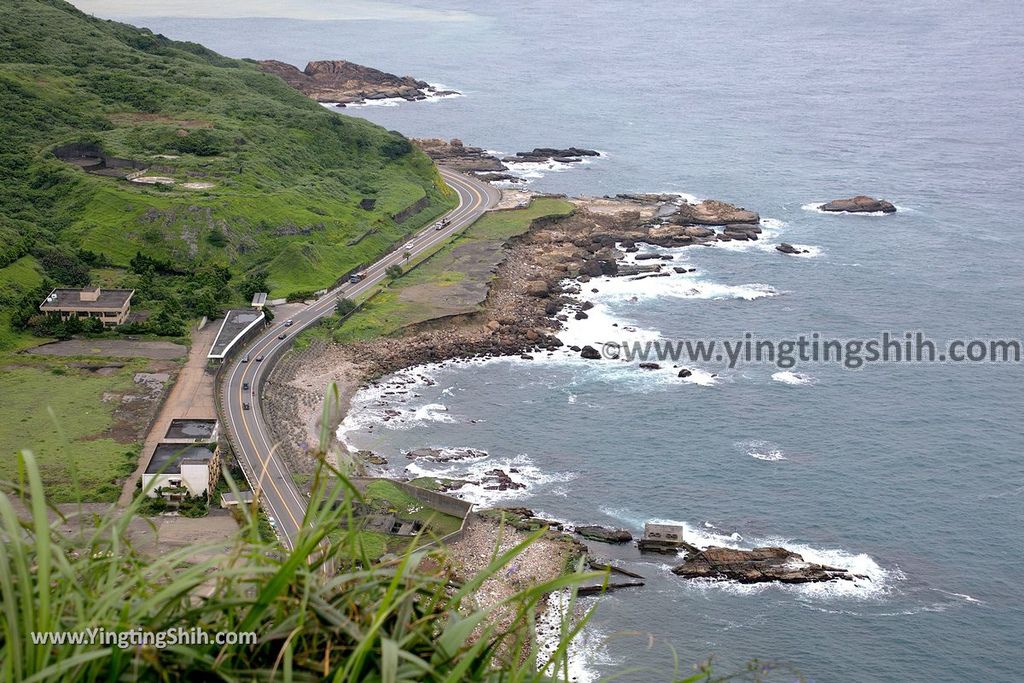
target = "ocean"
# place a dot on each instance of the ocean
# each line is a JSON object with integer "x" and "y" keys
{"x": 908, "y": 474}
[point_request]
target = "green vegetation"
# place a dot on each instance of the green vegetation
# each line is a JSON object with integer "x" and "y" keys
{"x": 385, "y": 495}
{"x": 394, "y": 307}
{"x": 80, "y": 460}
{"x": 356, "y": 621}
{"x": 281, "y": 178}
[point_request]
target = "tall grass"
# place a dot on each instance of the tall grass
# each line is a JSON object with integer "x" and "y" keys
{"x": 318, "y": 614}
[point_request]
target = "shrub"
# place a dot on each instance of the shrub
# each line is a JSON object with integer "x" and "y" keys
{"x": 344, "y": 307}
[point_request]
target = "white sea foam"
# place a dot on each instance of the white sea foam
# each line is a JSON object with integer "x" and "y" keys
{"x": 532, "y": 170}
{"x": 432, "y": 412}
{"x": 381, "y": 403}
{"x": 761, "y": 450}
{"x": 520, "y": 468}
{"x": 624, "y": 290}
{"x": 585, "y": 650}
{"x": 794, "y": 378}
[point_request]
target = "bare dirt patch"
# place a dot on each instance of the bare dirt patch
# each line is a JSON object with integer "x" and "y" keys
{"x": 112, "y": 348}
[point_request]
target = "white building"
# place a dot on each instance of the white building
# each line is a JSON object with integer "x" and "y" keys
{"x": 176, "y": 469}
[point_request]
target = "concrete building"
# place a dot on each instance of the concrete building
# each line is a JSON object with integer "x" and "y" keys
{"x": 110, "y": 306}
{"x": 183, "y": 430}
{"x": 662, "y": 538}
{"x": 177, "y": 469}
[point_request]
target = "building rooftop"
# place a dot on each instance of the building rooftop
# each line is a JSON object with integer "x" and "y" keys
{"x": 88, "y": 298}
{"x": 196, "y": 430}
{"x": 243, "y": 498}
{"x": 259, "y": 299}
{"x": 168, "y": 457}
{"x": 236, "y": 323}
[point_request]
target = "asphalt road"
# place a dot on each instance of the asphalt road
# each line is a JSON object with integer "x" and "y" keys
{"x": 247, "y": 429}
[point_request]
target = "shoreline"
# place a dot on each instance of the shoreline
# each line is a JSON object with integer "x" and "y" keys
{"x": 533, "y": 291}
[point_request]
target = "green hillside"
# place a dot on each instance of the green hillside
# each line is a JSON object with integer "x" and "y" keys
{"x": 281, "y": 193}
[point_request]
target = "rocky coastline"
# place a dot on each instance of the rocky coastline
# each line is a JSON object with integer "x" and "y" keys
{"x": 340, "y": 82}
{"x": 488, "y": 166}
{"x": 540, "y": 283}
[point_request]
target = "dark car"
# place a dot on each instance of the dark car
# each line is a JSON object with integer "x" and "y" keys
{"x": 282, "y": 335}
{"x": 259, "y": 358}
{"x": 245, "y": 406}
{"x": 245, "y": 386}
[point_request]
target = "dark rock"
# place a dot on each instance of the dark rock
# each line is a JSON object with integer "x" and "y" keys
{"x": 586, "y": 305}
{"x": 787, "y": 248}
{"x": 580, "y": 315}
{"x": 604, "y": 534}
{"x": 650, "y": 366}
{"x": 590, "y": 353}
{"x": 756, "y": 566}
{"x": 859, "y": 204}
{"x": 714, "y": 212}
{"x": 685, "y": 372}
{"x": 447, "y": 455}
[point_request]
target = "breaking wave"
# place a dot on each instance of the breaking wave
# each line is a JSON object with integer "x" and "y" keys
{"x": 794, "y": 378}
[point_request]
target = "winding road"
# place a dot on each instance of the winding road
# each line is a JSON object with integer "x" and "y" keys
{"x": 247, "y": 429}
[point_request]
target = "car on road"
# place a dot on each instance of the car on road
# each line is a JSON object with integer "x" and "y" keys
{"x": 356, "y": 277}
{"x": 282, "y": 335}
{"x": 245, "y": 358}
{"x": 245, "y": 406}
{"x": 410, "y": 245}
{"x": 259, "y": 359}
{"x": 245, "y": 386}
{"x": 438, "y": 226}
{"x": 288, "y": 322}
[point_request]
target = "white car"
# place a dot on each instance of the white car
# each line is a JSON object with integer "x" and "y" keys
{"x": 410, "y": 245}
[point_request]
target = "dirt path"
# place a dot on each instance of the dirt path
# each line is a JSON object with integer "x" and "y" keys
{"x": 192, "y": 396}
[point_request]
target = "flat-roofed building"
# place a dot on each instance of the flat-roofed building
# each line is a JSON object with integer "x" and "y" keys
{"x": 189, "y": 430}
{"x": 176, "y": 469}
{"x": 109, "y": 306}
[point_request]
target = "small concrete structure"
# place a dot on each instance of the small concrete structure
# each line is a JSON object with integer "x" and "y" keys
{"x": 230, "y": 500}
{"x": 109, "y": 306}
{"x": 177, "y": 469}
{"x": 662, "y": 538}
{"x": 259, "y": 299}
{"x": 392, "y": 525}
{"x": 239, "y": 325}
{"x": 182, "y": 430}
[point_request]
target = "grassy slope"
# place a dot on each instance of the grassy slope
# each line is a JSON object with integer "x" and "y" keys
{"x": 288, "y": 175}
{"x": 386, "y": 312}
{"x": 23, "y": 275}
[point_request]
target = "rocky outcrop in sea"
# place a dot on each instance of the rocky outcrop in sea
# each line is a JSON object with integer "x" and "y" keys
{"x": 756, "y": 566}
{"x": 858, "y": 204}
{"x": 340, "y": 82}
